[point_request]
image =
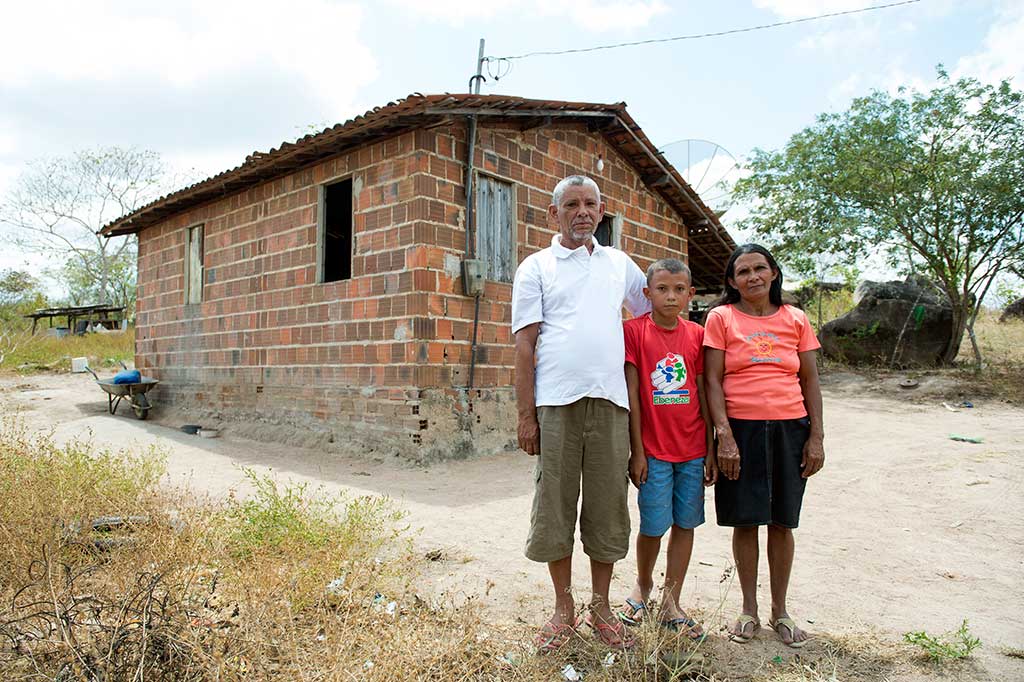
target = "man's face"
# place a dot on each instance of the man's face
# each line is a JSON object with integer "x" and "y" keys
{"x": 578, "y": 215}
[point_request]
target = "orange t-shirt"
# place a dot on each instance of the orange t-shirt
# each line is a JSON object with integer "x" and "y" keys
{"x": 761, "y": 361}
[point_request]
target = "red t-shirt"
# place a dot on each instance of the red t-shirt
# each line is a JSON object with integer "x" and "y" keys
{"x": 762, "y": 360}
{"x": 668, "y": 362}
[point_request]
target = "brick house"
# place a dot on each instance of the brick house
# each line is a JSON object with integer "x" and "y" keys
{"x": 318, "y": 287}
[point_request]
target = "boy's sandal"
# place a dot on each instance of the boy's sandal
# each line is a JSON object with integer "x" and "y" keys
{"x": 553, "y": 636}
{"x": 635, "y": 615}
{"x": 789, "y": 625}
{"x": 614, "y": 636}
{"x": 743, "y": 621}
{"x": 686, "y": 625}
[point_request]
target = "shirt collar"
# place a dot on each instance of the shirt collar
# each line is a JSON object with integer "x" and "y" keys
{"x": 564, "y": 252}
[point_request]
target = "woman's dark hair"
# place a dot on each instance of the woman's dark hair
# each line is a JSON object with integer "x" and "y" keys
{"x": 732, "y": 295}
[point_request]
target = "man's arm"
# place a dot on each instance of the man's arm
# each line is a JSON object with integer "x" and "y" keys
{"x": 526, "y": 397}
{"x": 636, "y": 303}
{"x": 637, "y": 457}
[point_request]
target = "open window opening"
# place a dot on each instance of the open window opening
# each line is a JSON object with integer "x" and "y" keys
{"x": 608, "y": 231}
{"x": 335, "y": 229}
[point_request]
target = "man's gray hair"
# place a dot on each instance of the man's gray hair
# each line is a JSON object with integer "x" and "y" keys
{"x": 577, "y": 180}
{"x": 670, "y": 265}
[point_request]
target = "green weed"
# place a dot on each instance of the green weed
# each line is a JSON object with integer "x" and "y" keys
{"x": 948, "y": 647}
{"x": 286, "y": 517}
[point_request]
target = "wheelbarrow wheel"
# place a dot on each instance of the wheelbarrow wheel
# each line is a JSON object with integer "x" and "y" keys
{"x": 140, "y": 406}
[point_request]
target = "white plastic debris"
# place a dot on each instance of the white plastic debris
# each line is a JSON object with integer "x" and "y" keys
{"x": 390, "y": 608}
{"x": 609, "y": 660}
{"x": 336, "y": 586}
{"x": 367, "y": 665}
{"x": 569, "y": 673}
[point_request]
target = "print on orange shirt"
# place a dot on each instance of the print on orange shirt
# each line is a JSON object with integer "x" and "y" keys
{"x": 764, "y": 345}
{"x": 668, "y": 379}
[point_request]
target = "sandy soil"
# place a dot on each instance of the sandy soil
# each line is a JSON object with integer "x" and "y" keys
{"x": 903, "y": 530}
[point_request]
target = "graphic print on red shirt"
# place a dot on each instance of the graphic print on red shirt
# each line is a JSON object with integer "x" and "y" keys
{"x": 668, "y": 362}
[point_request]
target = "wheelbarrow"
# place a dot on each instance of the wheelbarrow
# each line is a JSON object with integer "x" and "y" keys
{"x": 135, "y": 393}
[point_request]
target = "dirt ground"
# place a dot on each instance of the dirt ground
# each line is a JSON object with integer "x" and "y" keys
{"x": 904, "y": 529}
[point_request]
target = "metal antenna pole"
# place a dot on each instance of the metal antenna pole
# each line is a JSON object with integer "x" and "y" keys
{"x": 479, "y": 77}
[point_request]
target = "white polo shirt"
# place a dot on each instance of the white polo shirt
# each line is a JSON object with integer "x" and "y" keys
{"x": 577, "y": 297}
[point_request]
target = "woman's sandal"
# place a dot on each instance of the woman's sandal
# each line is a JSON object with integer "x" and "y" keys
{"x": 636, "y": 615}
{"x": 553, "y": 636}
{"x": 789, "y": 625}
{"x": 743, "y": 621}
{"x": 613, "y": 636}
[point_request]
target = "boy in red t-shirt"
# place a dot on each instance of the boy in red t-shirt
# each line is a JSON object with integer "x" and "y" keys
{"x": 669, "y": 438}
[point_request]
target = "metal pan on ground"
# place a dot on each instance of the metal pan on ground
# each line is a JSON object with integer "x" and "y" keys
{"x": 134, "y": 392}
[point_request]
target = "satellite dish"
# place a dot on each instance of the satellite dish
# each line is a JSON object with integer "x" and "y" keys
{"x": 708, "y": 167}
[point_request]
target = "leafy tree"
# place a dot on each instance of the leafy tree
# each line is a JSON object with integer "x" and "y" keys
{"x": 83, "y": 288}
{"x": 20, "y": 294}
{"x": 58, "y": 206}
{"x": 930, "y": 181}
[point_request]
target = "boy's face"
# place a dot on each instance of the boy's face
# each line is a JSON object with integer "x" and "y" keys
{"x": 669, "y": 292}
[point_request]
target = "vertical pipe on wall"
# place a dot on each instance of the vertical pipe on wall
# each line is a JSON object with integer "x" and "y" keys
{"x": 470, "y": 227}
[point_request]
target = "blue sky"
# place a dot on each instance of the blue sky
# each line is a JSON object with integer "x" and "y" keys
{"x": 205, "y": 82}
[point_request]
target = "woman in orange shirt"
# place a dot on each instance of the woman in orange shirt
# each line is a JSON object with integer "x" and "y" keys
{"x": 765, "y": 402}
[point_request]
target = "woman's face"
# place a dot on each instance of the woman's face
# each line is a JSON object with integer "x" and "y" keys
{"x": 752, "y": 276}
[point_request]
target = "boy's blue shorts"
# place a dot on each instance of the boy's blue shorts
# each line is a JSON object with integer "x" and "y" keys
{"x": 673, "y": 494}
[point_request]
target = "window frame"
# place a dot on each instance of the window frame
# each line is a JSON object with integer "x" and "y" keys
{"x": 192, "y": 297}
{"x": 513, "y": 249}
{"x": 321, "y": 229}
{"x": 615, "y": 224}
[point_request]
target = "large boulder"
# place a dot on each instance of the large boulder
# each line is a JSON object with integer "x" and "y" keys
{"x": 1014, "y": 311}
{"x": 913, "y": 313}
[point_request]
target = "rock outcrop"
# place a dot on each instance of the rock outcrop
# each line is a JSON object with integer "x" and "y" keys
{"x": 913, "y": 315}
{"x": 1014, "y": 311}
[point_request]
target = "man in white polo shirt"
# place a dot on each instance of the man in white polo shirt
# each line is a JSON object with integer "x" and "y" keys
{"x": 573, "y": 407}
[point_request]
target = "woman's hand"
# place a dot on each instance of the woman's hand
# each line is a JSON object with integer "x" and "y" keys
{"x": 728, "y": 456}
{"x": 638, "y": 469}
{"x": 814, "y": 456}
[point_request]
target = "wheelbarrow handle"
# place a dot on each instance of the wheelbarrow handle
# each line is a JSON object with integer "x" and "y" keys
{"x": 89, "y": 370}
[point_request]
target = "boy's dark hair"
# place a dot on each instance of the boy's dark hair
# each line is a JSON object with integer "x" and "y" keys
{"x": 671, "y": 265}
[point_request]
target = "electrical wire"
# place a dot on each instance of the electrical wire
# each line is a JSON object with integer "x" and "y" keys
{"x": 696, "y": 36}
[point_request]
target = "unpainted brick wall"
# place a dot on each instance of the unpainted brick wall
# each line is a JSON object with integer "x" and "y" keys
{"x": 382, "y": 357}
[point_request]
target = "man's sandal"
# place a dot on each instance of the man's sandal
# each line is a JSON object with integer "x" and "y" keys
{"x": 685, "y": 625}
{"x": 743, "y": 621}
{"x": 789, "y": 625}
{"x": 636, "y": 613}
{"x": 553, "y": 636}
{"x": 614, "y": 636}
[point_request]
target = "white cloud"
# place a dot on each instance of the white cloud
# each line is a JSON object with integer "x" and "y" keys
{"x": 186, "y": 43}
{"x": 1001, "y": 55}
{"x": 593, "y": 15}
